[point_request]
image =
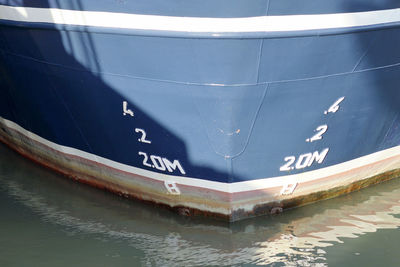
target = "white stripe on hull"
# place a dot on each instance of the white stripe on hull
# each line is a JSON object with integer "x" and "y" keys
{"x": 284, "y": 23}
{"x": 238, "y": 187}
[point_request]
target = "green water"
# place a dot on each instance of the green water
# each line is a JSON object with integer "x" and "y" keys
{"x": 47, "y": 220}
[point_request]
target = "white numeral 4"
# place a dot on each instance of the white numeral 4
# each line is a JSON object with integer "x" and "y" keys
{"x": 126, "y": 110}
{"x": 335, "y": 106}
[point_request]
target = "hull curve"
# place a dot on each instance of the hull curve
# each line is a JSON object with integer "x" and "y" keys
{"x": 222, "y": 125}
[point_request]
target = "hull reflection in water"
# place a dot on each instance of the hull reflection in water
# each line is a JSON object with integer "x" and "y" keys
{"x": 299, "y": 238}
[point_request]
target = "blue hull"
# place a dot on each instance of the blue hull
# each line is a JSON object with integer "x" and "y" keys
{"x": 223, "y": 109}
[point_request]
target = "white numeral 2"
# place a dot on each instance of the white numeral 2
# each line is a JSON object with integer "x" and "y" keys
{"x": 143, "y": 138}
{"x": 318, "y": 136}
{"x": 289, "y": 161}
{"x": 145, "y": 159}
{"x": 304, "y": 160}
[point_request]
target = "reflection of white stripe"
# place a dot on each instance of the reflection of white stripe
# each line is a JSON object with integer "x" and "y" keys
{"x": 204, "y": 25}
{"x": 223, "y": 187}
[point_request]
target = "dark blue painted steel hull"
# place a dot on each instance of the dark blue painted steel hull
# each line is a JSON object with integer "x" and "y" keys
{"x": 229, "y": 110}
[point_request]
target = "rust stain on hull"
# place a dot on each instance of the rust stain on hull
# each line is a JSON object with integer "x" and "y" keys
{"x": 102, "y": 179}
{"x": 276, "y": 207}
{"x": 193, "y": 201}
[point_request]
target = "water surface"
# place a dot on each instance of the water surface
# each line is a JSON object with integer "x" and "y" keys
{"x": 47, "y": 220}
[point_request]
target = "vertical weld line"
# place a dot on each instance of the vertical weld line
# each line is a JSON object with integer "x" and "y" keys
{"x": 5, "y": 77}
{"x": 56, "y": 93}
{"x": 363, "y": 55}
{"x": 267, "y": 11}
{"x": 229, "y": 167}
{"x": 259, "y": 60}
{"x": 253, "y": 123}
{"x": 389, "y": 129}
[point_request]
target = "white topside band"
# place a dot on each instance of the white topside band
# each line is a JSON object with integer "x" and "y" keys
{"x": 199, "y": 25}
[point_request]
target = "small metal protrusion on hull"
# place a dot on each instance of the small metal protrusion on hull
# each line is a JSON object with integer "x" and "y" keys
{"x": 276, "y": 210}
{"x": 184, "y": 211}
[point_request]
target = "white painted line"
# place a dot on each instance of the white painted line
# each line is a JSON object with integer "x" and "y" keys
{"x": 196, "y": 24}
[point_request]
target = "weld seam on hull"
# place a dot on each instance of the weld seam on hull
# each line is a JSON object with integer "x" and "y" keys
{"x": 394, "y": 65}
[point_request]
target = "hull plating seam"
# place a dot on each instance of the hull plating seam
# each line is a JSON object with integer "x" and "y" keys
{"x": 205, "y": 84}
